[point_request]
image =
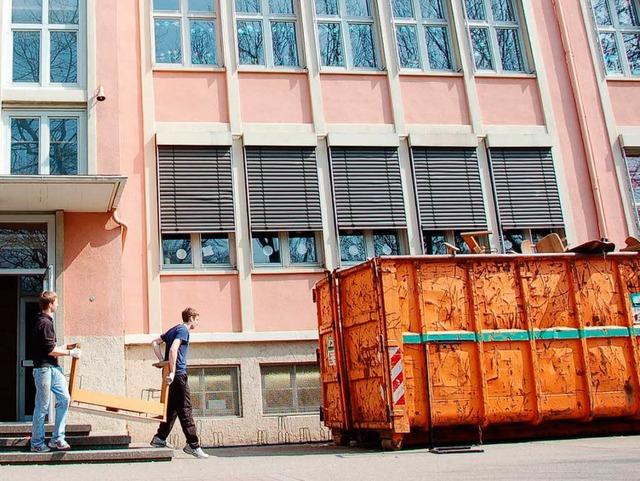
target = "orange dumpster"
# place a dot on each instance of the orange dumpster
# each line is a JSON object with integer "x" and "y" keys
{"x": 442, "y": 348}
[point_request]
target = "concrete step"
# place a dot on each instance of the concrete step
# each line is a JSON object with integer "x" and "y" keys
{"x": 21, "y": 430}
{"x": 89, "y": 456}
{"x": 92, "y": 441}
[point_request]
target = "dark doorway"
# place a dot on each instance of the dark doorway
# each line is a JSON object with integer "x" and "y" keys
{"x": 9, "y": 303}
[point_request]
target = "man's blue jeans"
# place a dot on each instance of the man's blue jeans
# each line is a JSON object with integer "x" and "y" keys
{"x": 49, "y": 380}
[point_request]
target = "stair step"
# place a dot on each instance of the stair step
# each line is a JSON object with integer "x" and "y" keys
{"x": 92, "y": 441}
{"x": 11, "y": 430}
{"x": 89, "y": 456}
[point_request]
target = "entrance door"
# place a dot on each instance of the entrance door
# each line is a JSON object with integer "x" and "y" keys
{"x": 26, "y": 387}
{"x": 8, "y": 334}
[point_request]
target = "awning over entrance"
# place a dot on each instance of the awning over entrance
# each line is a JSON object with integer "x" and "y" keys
{"x": 72, "y": 193}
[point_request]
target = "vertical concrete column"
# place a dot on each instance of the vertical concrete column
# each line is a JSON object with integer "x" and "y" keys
{"x": 240, "y": 206}
{"x": 329, "y": 228}
{"x": 91, "y": 83}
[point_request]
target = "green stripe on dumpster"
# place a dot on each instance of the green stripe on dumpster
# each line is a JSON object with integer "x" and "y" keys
{"x": 594, "y": 332}
{"x": 506, "y": 335}
{"x": 635, "y": 330}
{"x": 546, "y": 334}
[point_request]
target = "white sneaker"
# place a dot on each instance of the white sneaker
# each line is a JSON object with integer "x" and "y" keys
{"x": 196, "y": 452}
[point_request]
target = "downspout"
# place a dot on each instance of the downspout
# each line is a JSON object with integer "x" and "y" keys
{"x": 582, "y": 119}
{"x": 121, "y": 223}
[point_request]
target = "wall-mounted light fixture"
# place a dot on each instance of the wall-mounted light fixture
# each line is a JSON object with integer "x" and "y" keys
{"x": 100, "y": 96}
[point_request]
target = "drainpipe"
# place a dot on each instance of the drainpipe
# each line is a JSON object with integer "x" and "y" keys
{"x": 582, "y": 118}
{"x": 121, "y": 223}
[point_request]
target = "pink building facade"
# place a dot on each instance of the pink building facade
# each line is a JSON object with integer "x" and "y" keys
{"x": 226, "y": 154}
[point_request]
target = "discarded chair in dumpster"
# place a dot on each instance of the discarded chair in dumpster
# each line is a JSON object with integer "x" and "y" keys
{"x": 465, "y": 348}
{"x": 118, "y": 406}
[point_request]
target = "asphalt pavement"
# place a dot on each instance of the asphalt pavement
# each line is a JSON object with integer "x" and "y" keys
{"x": 604, "y": 458}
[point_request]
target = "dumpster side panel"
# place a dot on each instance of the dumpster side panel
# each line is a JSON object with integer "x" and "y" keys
{"x": 601, "y": 303}
{"x": 361, "y": 316}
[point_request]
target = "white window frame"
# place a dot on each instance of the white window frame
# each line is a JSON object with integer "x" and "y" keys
{"x": 196, "y": 253}
{"x": 618, "y": 31}
{"x": 44, "y": 138}
{"x": 285, "y": 255}
{"x": 493, "y": 26}
{"x": 266, "y": 18}
{"x": 292, "y": 367}
{"x": 237, "y": 392}
{"x": 635, "y": 153}
{"x": 345, "y": 20}
{"x": 184, "y": 16}
{"x": 45, "y": 29}
{"x": 422, "y": 24}
{"x": 369, "y": 247}
{"x": 51, "y": 245}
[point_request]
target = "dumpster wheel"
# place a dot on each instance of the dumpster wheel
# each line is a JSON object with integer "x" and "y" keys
{"x": 340, "y": 438}
{"x": 393, "y": 444}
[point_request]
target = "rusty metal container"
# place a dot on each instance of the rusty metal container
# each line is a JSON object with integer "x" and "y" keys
{"x": 497, "y": 345}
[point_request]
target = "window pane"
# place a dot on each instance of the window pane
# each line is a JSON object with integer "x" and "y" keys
{"x": 632, "y": 47}
{"x": 510, "y": 50}
{"x": 250, "y": 43}
{"x": 352, "y": 247}
{"x": 434, "y": 243}
{"x": 432, "y": 9}
{"x": 176, "y": 249}
{"x": 408, "y": 46}
{"x": 23, "y": 246}
{"x": 26, "y": 56}
{"x": 266, "y": 248}
{"x": 281, "y": 6}
{"x": 203, "y": 46}
{"x": 31, "y": 285}
{"x": 327, "y": 7}
{"x": 285, "y": 50}
{"x": 633, "y": 167}
{"x": 248, "y": 6}
{"x": 63, "y": 146}
{"x": 358, "y": 8}
{"x": 362, "y": 45}
{"x": 385, "y": 244}
{"x": 26, "y": 11}
{"x": 25, "y": 146}
{"x": 216, "y": 389}
{"x": 166, "y": 5}
{"x": 201, "y": 6}
{"x": 512, "y": 241}
{"x": 63, "y": 12}
{"x": 462, "y": 245}
{"x": 215, "y": 249}
{"x": 168, "y": 41}
{"x": 331, "y": 44}
{"x": 475, "y": 9}
{"x": 610, "y": 52}
{"x": 403, "y": 8}
{"x": 302, "y": 248}
{"x": 481, "y": 48}
{"x": 64, "y": 57}
{"x": 438, "y": 48}
{"x": 627, "y": 14}
{"x": 503, "y": 11}
{"x": 601, "y": 10}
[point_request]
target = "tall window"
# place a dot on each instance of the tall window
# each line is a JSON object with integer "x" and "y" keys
{"x": 42, "y": 143}
{"x": 185, "y": 32}
{"x": 215, "y": 391}
{"x": 267, "y": 32}
{"x": 45, "y": 38}
{"x": 423, "y": 34}
{"x": 360, "y": 245}
{"x": 495, "y": 33}
{"x": 618, "y": 23}
{"x": 292, "y": 388}
{"x": 347, "y": 33}
{"x": 633, "y": 169}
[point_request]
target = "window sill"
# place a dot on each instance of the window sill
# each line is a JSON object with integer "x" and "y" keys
{"x": 271, "y": 70}
{"x": 623, "y": 79}
{"x": 222, "y": 271}
{"x": 430, "y": 73}
{"x": 288, "y": 270}
{"x": 344, "y": 71}
{"x": 516, "y": 75}
{"x": 279, "y": 415}
{"x": 187, "y": 69}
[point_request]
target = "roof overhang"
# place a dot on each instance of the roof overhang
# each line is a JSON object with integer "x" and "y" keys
{"x": 71, "y": 193}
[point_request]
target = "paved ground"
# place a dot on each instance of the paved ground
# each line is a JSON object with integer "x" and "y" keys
{"x": 609, "y": 458}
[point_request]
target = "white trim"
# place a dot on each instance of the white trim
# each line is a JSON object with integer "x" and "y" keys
{"x": 520, "y": 140}
{"x": 412, "y": 213}
{"x": 230, "y": 337}
{"x": 442, "y": 140}
{"x": 44, "y": 94}
{"x": 280, "y": 139}
{"x": 192, "y": 133}
{"x": 630, "y": 140}
{"x": 343, "y": 139}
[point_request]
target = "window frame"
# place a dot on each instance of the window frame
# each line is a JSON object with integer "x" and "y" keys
{"x": 292, "y": 370}
{"x": 493, "y": 26}
{"x": 345, "y": 21}
{"x": 285, "y": 254}
{"x": 185, "y": 17}
{"x": 266, "y": 18}
{"x": 369, "y": 246}
{"x": 237, "y": 394}
{"x": 44, "y": 140}
{"x": 635, "y": 153}
{"x": 195, "y": 239}
{"x": 618, "y": 31}
{"x": 422, "y": 24}
{"x": 45, "y": 30}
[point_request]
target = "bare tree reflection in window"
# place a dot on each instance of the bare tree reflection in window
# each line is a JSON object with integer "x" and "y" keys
{"x": 63, "y": 148}
{"x": 250, "y": 43}
{"x": 475, "y": 9}
{"x": 601, "y": 10}
{"x": 281, "y": 6}
{"x": 610, "y": 52}
{"x": 362, "y": 45}
{"x": 403, "y": 8}
{"x": 64, "y": 57}
{"x": 327, "y": 7}
{"x": 25, "y": 146}
{"x": 627, "y": 13}
{"x": 26, "y": 56}
{"x": 26, "y": 11}
{"x": 168, "y": 41}
{"x": 63, "y": 12}
{"x": 481, "y": 49}
{"x": 358, "y": 8}
{"x": 331, "y": 49}
{"x": 510, "y": 50}
{"x": 285, "y": 50}
{"x": 302, "y": 248}
{"x": 438, "y": 48}
{"x": 408, "y": 46}
{"x": 632, "y": 47}
{"x": 248, "y": 6}
{"x": 503, "y": 10}
{"x": 432, "y": 9}
{"x": 23, "y": 246}
{"x": 203, "y": 50}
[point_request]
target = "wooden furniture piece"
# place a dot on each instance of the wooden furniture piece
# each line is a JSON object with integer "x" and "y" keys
{"x": 632, "y": 245}
{"x": 118, "y": 406}
{"x": 550, "y": 243}
{"x": 451, "y": 249}
{"x": 526, "y": 247}
{"x": 472, "y": 240}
